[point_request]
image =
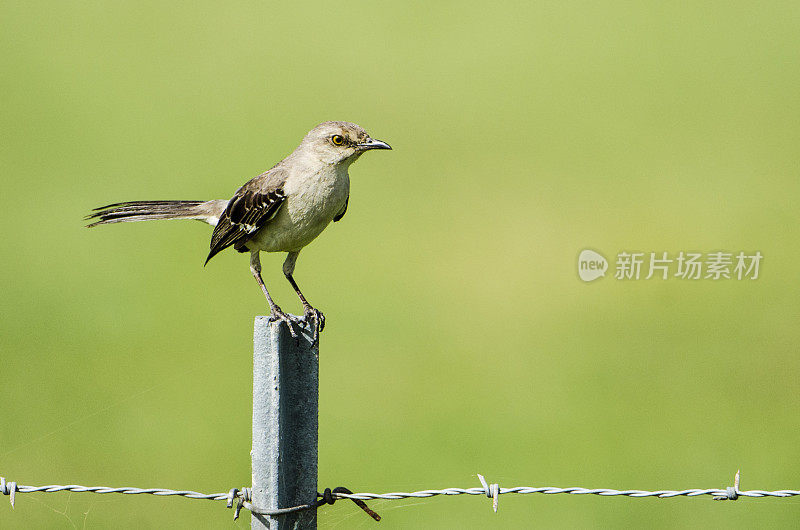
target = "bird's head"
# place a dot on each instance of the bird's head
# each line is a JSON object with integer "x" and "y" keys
{"x": 336, "y": 142}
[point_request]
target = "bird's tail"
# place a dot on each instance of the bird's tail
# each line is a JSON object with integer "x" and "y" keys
{"x": 123, "y": 212}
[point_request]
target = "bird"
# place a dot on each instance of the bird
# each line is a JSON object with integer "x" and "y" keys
{"x": 282, "y": 209}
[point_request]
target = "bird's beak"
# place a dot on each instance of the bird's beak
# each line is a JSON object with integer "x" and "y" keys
{"x": 373, "y": 144}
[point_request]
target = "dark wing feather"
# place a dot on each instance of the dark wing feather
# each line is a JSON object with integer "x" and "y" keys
{"x": 250, "y": 208}
{"x": 344, "y": 210}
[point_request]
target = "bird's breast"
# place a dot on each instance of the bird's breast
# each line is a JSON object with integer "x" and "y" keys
{"x": 312, "y": 201}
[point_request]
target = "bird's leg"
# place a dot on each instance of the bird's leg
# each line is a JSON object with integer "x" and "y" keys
{"x": 274, "y": 310}
{"x": 310, "y": 312}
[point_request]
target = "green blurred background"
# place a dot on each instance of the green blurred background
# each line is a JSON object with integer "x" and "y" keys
{"x": 460, "y": 339}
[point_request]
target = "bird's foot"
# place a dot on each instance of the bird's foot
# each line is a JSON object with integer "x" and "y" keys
{"x": 316, "y": 319}
{"x": 277, "y": 315}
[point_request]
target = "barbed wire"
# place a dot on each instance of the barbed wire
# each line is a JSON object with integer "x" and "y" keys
{"x": 242, "y": 497}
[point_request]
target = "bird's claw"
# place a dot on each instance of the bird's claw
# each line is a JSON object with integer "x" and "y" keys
{"x": 315, "y": 318}
{"x": 277, "y": 315}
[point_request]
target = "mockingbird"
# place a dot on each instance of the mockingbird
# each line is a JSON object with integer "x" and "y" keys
{"x": 280, "y": 210}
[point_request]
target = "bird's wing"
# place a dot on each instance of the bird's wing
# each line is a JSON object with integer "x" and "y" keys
{"x": 251, "y": 207}
{"x": 344, "y": 210}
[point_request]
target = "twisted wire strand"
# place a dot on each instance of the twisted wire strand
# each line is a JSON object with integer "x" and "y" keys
{"x": 54, "y": 488}
{"x": 125, "y": 490}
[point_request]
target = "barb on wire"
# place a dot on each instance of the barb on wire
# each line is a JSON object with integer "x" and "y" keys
{"x": 731, "y": 494}
{"x": 492, "y": 491}
{"x": 8, "y": 489}
{"x": 242, "y": 497}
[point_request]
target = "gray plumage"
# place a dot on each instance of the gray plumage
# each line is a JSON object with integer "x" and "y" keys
{"x": 280, "y": 210}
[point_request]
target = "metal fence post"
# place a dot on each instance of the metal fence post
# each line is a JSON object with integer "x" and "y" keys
{"x": 285, "y": 423}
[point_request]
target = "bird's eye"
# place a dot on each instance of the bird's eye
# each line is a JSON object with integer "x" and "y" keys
{"x": 337, "y": 139}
